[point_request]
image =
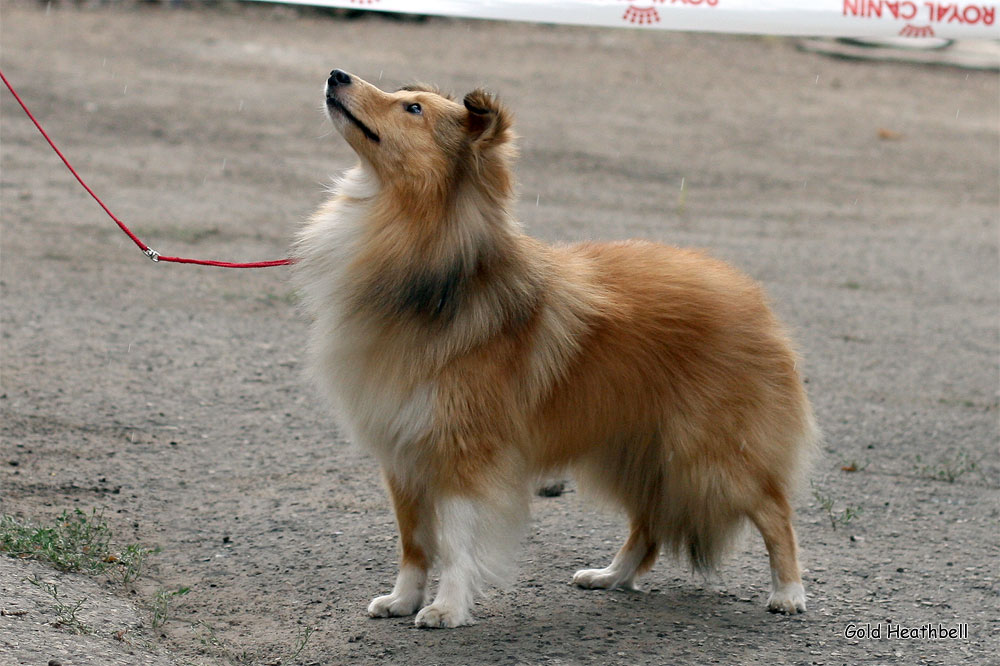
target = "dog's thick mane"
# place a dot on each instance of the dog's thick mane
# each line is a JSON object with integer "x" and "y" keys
{"x": 447, "y": 250}
{"x": 435, "y": 262}
{"x": 449, "y": 259}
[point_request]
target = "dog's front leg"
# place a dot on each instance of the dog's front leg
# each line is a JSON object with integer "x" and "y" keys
{"x": 415, "y": 519}
{"x": 460, "y": 522}
{"x": 476, "y": 538}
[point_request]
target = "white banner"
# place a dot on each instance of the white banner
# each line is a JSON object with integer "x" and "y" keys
{"x": 832, "y": 18}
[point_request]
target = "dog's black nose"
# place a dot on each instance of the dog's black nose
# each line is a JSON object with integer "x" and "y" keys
{"x": 339, "y": 77}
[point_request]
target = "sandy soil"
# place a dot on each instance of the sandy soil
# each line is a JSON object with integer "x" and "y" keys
{"x": 863, "y": 196}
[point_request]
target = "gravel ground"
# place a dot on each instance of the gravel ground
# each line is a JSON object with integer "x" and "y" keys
{"x": 862, "y": 195}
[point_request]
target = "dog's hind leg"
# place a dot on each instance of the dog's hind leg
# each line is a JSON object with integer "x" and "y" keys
{"x": 774, "y": 520}
{"x": 415, "y": 519}
{"x": 636, "y": 557}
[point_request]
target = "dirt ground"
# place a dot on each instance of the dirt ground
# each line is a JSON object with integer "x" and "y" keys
{"x": 862, "y": 195}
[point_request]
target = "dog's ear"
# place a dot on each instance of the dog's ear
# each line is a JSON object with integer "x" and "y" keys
{"x": 487, "y": 121}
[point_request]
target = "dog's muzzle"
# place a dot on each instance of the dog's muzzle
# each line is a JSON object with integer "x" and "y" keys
{"x": 339, "y": 79}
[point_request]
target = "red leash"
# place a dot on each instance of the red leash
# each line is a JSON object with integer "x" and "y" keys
{"x": 148, "y": 251}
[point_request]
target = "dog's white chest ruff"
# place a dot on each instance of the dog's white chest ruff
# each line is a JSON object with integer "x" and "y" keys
{"x": 367, "y": 393}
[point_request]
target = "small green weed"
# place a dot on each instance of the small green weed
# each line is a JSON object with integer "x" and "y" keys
{"x": 162, "y": 603}
{"x": 74, "y": 541}
{"x": 827, "y": 503}
{"x": 947, "y": 468}
{"x": 218, "y": 648}
{"x": 300, "y": 644}
{"x": 682, "y": 199}
{"x": 129, "y": 563}
{"x": 208, "y": 637}
{"x": 65, "y": 612}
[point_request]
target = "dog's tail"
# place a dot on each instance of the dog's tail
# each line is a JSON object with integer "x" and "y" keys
{"x": 705, "y": 511}
{"x": 702, "y": 535}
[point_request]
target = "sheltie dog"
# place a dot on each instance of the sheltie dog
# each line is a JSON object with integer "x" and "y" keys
{"x": 473, "y": 360}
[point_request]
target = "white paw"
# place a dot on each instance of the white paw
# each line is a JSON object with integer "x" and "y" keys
{"x": 437, "y": 616}
{"x": 601, "y": 579}
{"x": 789, "y": 599}
{"x": 395, "y": 605}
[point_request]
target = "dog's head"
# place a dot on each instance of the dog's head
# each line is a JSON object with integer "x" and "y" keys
{"x": 417, "y": 135}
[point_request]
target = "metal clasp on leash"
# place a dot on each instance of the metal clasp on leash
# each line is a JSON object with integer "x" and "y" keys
{"x": 152, "y": 254}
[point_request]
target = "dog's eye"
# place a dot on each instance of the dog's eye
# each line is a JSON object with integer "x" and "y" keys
{"x": 414, "y": 109}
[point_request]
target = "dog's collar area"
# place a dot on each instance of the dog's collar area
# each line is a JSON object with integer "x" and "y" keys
{"x": 335, "y": 103}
